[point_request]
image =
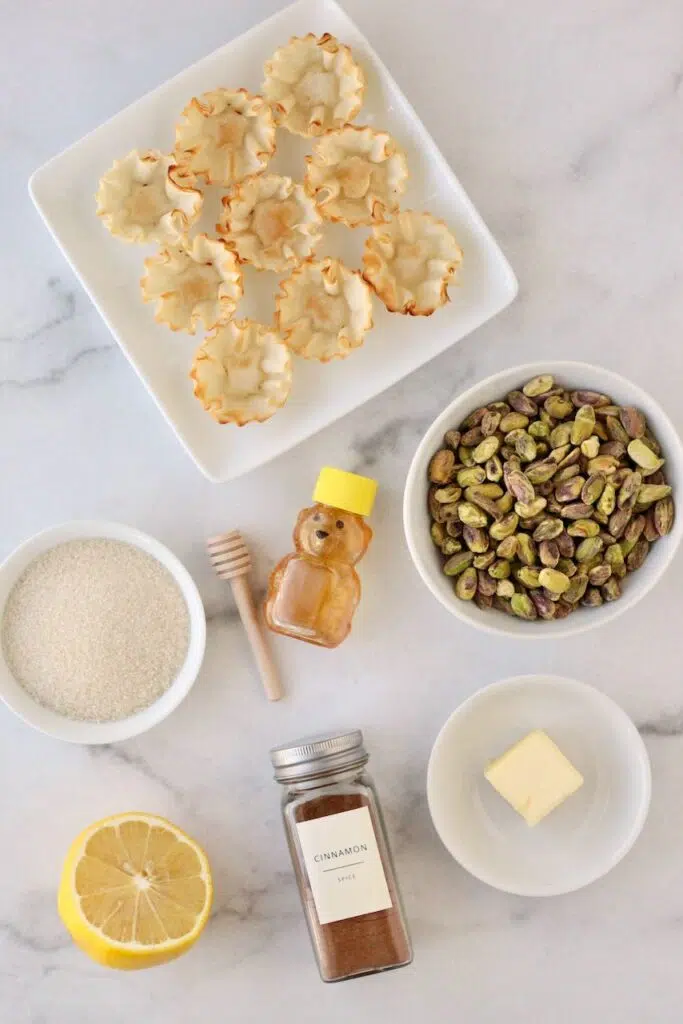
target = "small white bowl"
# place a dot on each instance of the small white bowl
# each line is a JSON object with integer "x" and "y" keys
{"x": 416, "y": 521}
{"x": 47, "y": 721}
{"x": 578, "y": 842}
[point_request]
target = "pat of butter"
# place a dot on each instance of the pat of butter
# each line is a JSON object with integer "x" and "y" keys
{"x": 534, "y": 776}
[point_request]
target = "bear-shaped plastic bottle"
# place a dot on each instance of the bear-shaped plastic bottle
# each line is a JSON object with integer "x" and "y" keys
{"x": 314, "y": 592}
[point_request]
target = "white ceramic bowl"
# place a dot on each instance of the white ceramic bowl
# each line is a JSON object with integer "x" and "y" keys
{"x": 582, "y": 839}
{"x": 428, "y": 560}
{"x": 47, "y": 721}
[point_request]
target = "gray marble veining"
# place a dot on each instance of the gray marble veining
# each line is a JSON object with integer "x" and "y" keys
{"x": 564, "y": 124}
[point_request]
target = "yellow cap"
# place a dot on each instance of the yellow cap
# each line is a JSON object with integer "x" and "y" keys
{"x": 348, "y": 491}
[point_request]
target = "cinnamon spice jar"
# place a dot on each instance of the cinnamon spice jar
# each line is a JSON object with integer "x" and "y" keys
{"x": 341, "y": 857}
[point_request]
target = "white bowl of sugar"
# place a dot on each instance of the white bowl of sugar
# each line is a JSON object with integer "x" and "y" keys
{"x": 102, "y": 632}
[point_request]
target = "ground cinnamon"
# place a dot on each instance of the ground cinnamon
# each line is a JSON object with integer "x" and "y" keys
{"x": 357, "y": 945}
{"x": 341, "y": 857}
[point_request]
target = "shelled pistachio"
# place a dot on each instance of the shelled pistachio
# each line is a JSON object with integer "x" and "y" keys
{"x": 547, "y": 500}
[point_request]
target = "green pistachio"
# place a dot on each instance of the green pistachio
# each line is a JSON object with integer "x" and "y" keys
{"x": 528, "y": 576}
{"x": 494, "y": 469}
{"x": 466, "y": 584}
{"x": 471, "y": 515}
{"x": 441, "y": 466}
{"x": 616, "y": 430}
{"x": 606, "y": 464}
{"x": 520, "y": 486}
{"x": 576, "y": 589}
{"x": 526, "y": 549}
{"x": 599, "y": 574}
{"x": 523, "y": 607}
{"x": 630, "y": 486}
{"x": 530, "y": 510}
{"x": 522, "y": 403}
{"x": 590, "y": 447}
{"x": 500, "y": 570}
{"x": 549, "y": 553}
{"x": 538, "y": 386}
{"x": 465, "y": 455}
{"x": 611, "y": 590}
{"x": 583, "y": 424}
{"x": 447, "y": 495}
{"x": 633, "y": 421}
{"x": 458, "y": 563}
{"x": 539, "y": 430}
{"x": 643, "y": 456}
{"x": 513, "y": 421}
{"x": 569, "y": 490}
{"x": 637, "y": 556}
{"x": 438, "y": 533}
{"x": 507, "y": 548}
{"x": 541, "y": 472}
{"x": 548, "y": 529}
{"x": 490, "y": 422}
{"x": 559, "y": 436}
{"x": 557, "y": 407}
{"x": 664, "y": 516}
{"x": 593, "y": 488}
{"x": 607, "y": 500}
{"x": 484, "y": 561}
{"x": 589, "y": 548}
{"x": 505, "y": 588}
{"x": 649, "y": 493}
{"x": 554, "y": 580}
{"x": 614, "y": 557}
{"x": 486, "y": 449}
{"x": 505, "y": 526}
{"x": 450, "y": 546}
{"x": 469, "y": 477}
{"x": 476, "y": 539}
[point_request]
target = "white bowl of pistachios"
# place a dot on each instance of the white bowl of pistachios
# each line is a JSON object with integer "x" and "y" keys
{"x": 541, "y": 502}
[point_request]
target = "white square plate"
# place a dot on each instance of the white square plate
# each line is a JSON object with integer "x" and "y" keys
{"x": 64, "y": 189}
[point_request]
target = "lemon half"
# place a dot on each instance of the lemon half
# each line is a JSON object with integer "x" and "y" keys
{"x": 135, "y": 891}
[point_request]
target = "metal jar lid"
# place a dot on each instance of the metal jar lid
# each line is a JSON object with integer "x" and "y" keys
{"x": 319, "y": 755}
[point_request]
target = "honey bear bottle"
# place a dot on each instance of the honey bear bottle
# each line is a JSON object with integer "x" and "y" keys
{"x": 313, "y": 592}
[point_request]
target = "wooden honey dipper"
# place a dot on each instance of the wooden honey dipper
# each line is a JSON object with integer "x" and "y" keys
{"x": 230, "y": 558}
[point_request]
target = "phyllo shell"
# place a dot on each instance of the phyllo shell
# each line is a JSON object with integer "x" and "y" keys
{"x": 410, "y": 261}
{"x": 225, "y": 135}
{"x": 145, "y": 197}
{"x": 198, "y": 281}
{"x": 313, "y": 84}
{"x": 356, "y": 175}
{"x": 270, "y": 221}
{"x": 323, "y": 310}
{"x": 242, "y": 372}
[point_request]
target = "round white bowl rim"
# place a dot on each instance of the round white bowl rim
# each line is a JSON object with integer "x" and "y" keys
{"x": 636, "y": 746}
{"x": 94, "y": 733}
{"x": 496, "y": 623}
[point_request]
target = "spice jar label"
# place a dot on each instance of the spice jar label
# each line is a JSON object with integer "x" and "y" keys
{"x": 344, "y": 865}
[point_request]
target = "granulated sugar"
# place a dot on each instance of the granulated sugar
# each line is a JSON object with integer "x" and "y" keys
{"x": 95, "y": 629}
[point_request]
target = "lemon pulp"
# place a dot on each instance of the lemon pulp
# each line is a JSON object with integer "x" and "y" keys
{"x": 135, "y": 891}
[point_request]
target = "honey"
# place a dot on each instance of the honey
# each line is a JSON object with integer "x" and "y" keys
{"x": 313, "y": 592}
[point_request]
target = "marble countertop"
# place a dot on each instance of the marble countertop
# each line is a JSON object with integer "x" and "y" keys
{"x": 564, "y": 124}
